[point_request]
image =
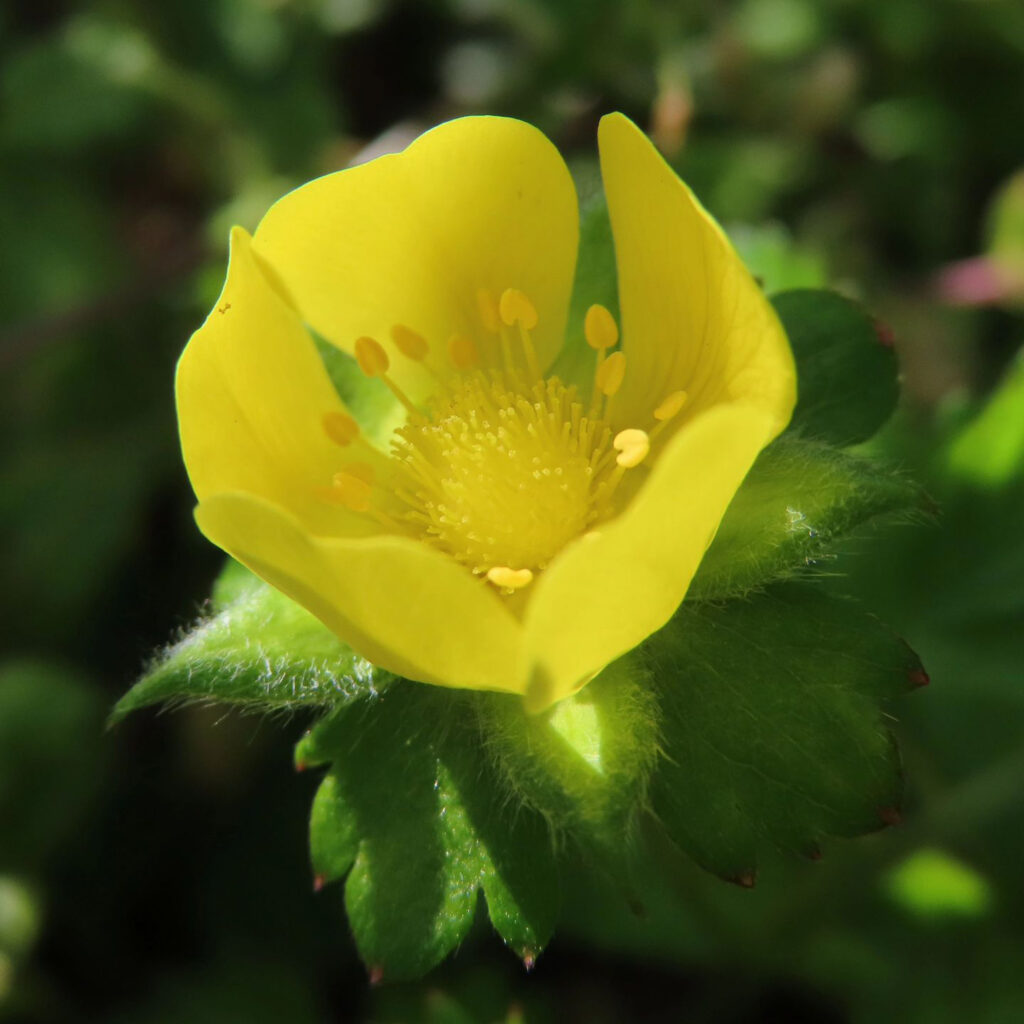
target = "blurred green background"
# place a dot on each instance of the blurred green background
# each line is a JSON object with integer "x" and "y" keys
{"x": 158, "y": 872}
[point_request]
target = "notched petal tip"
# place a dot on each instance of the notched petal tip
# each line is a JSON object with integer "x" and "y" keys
{"x": 680, "y": 279}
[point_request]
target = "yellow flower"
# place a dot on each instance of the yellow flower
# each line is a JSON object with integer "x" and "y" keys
{"x": 516, "y": 534}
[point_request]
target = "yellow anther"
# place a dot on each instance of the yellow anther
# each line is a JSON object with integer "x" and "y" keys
{"x": 374, "y": 362}
{"x": 608, "y": 378}
{"x": 353, "y": 486}
{"x": 340, "y": 428}
{"x": 632, "y": 446}
{"x": 515, "y": 307}
{"x": 600, "y": 329}
{"x": 488, "y": 310}
{"x": 670, "y": 405}
{"x": 462, "y": 352}
{"x": 509, "y": 579}
{"x": 371, "y": 357}
{"x": 360, "y": 470}
{"x": 409, "y": 343}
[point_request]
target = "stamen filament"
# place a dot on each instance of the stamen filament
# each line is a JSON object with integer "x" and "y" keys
{"x": 374, "y": 362}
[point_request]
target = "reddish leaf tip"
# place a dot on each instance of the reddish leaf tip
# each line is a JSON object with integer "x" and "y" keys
{"x": 885, "y": 335}
{"x": 813, "y": 853}
{"x": 745, "y": 879}
{"x": 890, "y": 815}
{"x": 376, "y": 974}
{"x": 918, "y": 677}
{"x": 529, "y": 959}
{"x": 300, "y": 766}
{"x": 319, "y": 881}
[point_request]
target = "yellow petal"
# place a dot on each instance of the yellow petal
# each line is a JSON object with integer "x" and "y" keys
{"x": 400, "y": 603}
{"x": 693, "y": 319}
{"x": 252, "y": 396}
{"x": 411, "y": 238}
{"x": 616, "y": 586}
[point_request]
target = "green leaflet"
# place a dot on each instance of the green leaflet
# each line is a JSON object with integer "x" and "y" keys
{"x": 258, "y": 649}
{"x": 412, "y": 813}
{"x": 772, "y": 725}
{"x": 798, "y": 498}
{"x": 847, "y": 376}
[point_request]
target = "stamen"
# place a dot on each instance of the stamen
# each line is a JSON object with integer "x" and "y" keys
{"x": 633, "y": 447}
{"x": 374, "y": 362}
{"x": 409, "y": 343}
{"x": 600, "y": 329}
{"x": 371, "y": 357}
{"x": 353, "y": 486}
{"x": 667, "y": 410}
{"x": 488, "y": 310}
{"x": 462, "y": 352}
{"x": 610, "y": 374}
{"x": 517, "y": 310}
{"x": 341, "y": 428}
{"x": 670, "y": 406}
{"x": 508, "y": 579}
{"x": 515, "y": 307}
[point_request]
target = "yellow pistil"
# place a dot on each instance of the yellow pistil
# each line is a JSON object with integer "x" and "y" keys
{"x": 374, "y": 362}
{"x": 503, "y": 477}
{"x": 498, "y": 472}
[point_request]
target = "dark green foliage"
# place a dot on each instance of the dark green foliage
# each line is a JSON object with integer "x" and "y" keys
{"x": 411, "y": 812}
{"x": 798, "y": 499}
{"x": 846, "y": 367}
{"x": 49, "y": 732}
{"x": 772, "y": 727}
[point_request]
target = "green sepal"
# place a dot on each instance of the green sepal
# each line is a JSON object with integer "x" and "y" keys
{"x": 584, "y": 763}
{"x": 257, "y": 649}
{"x": 412, "y": 813}
{"x": 799, "y": 497}
{"x": 772, "y": 725}
{"x": 847, "y": 373}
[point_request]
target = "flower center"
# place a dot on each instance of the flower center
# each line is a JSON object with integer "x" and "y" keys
{"x": 504, "y": 468}
{"x": 498, "y": 476}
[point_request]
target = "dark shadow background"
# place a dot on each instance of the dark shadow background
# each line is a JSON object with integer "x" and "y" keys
{"x": 158, "y": 872}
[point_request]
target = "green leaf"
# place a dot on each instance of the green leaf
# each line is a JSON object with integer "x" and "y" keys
{"x": 770, "y": 253}
{"x": 411, "y": 811}
{"x": 847, "y": 376}
{"x": 259, "y": 649}
{"x": 989, "y": 451}
{"x": 772, "y": 725}
{"x": 797, "y": 499}
{"x": 585, "y": 762}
